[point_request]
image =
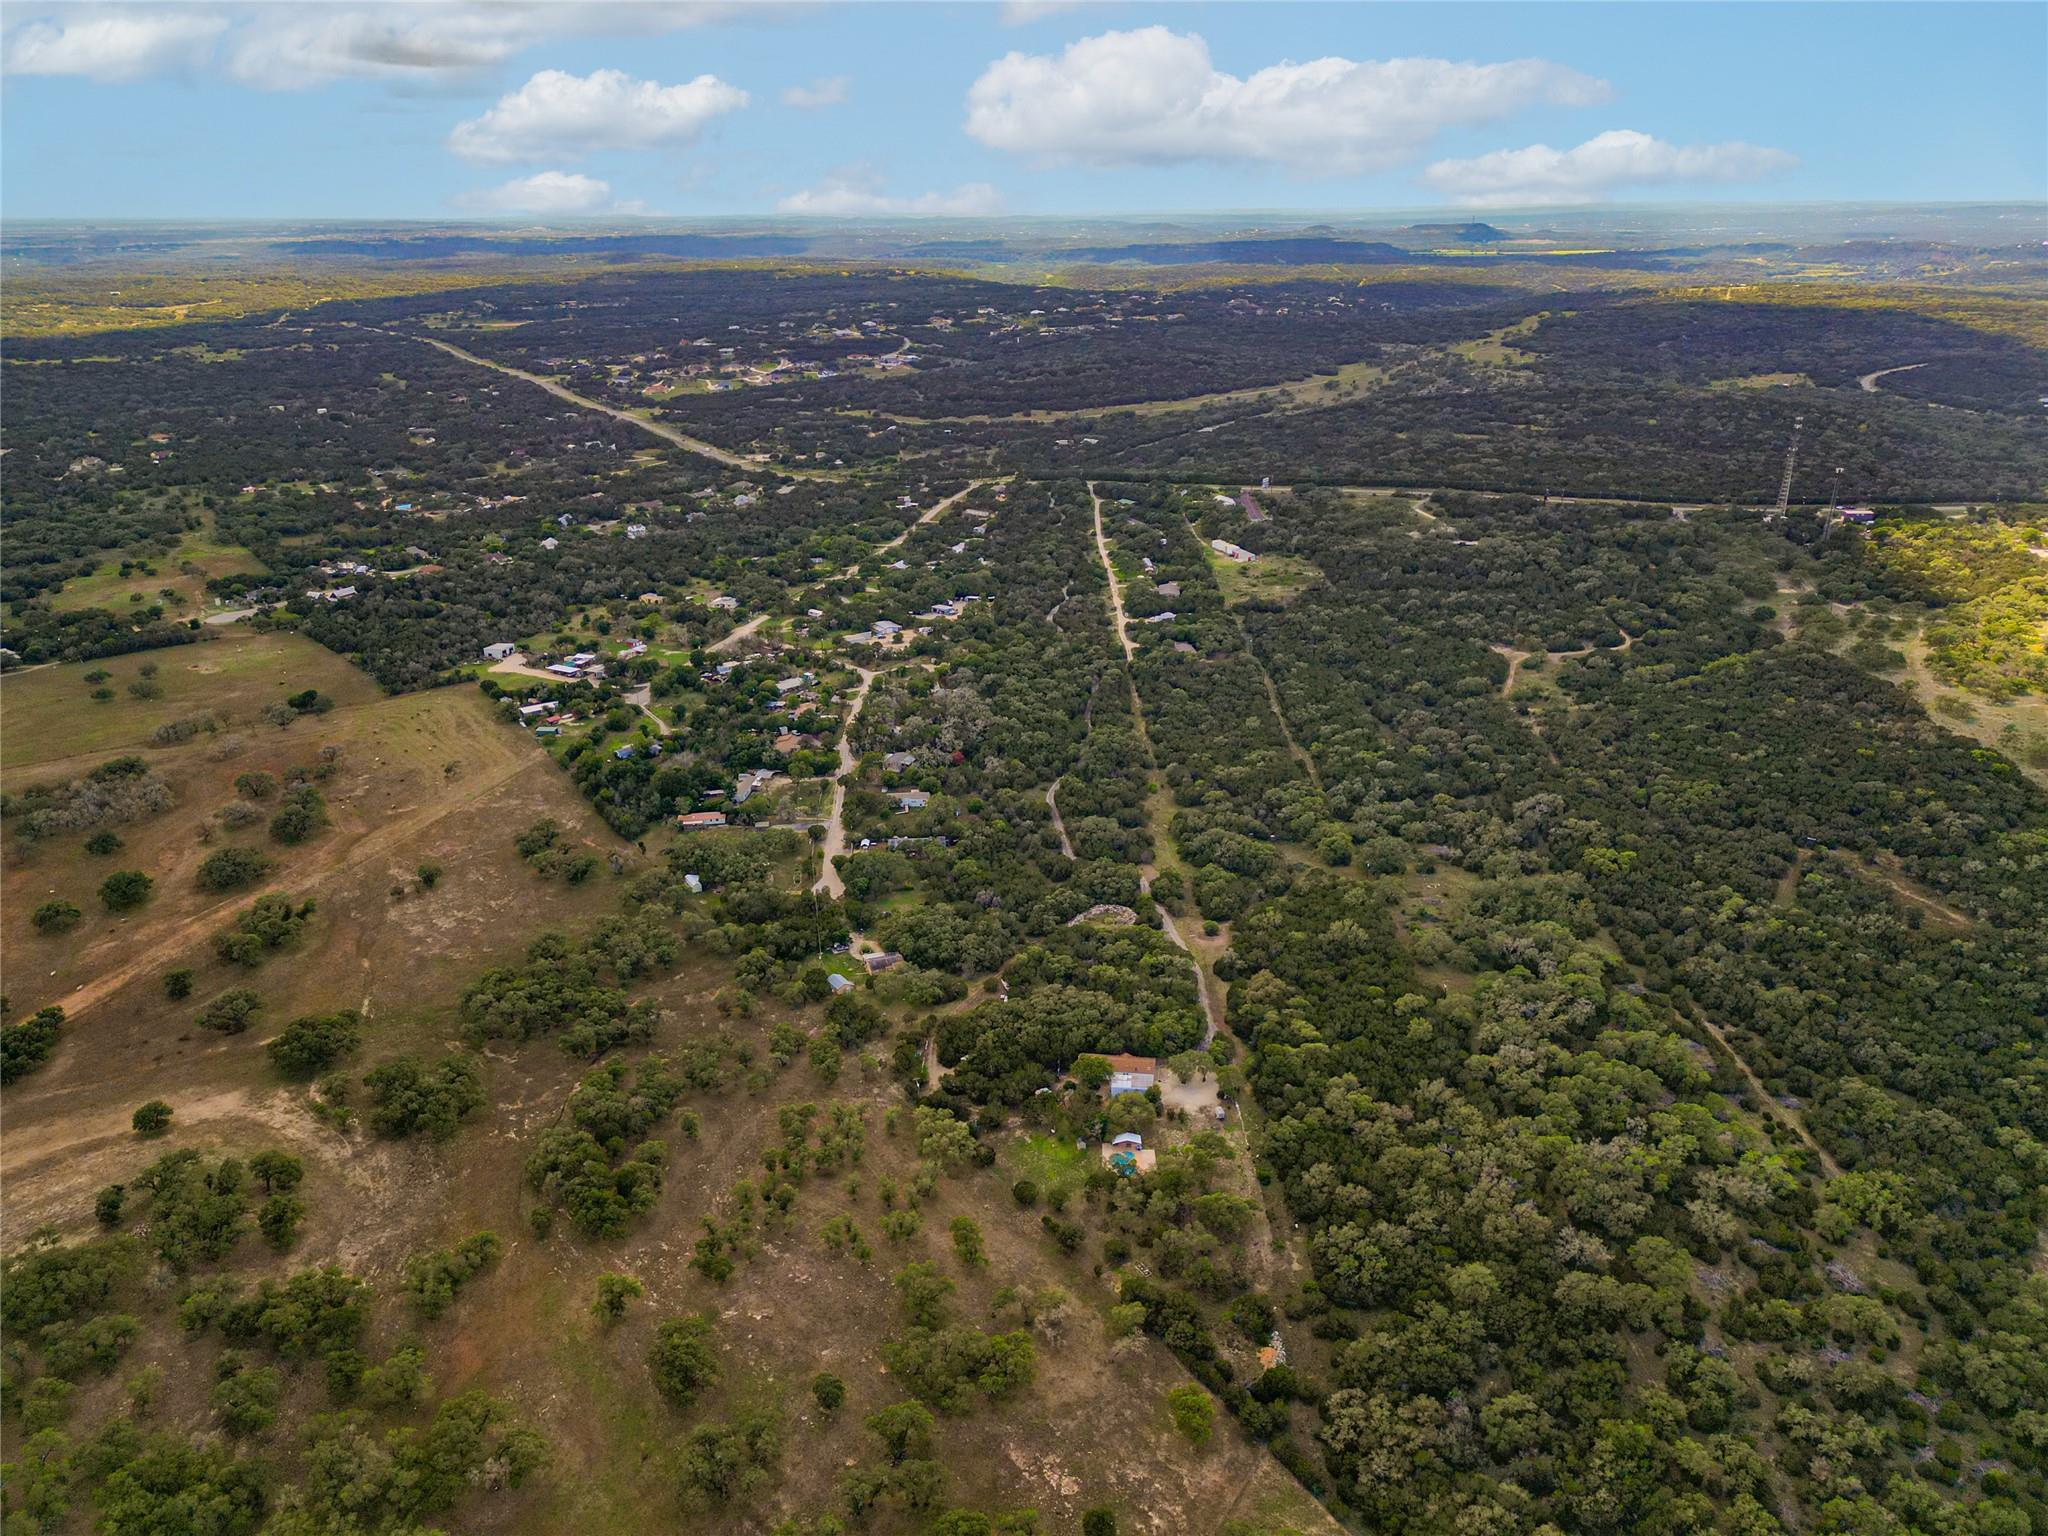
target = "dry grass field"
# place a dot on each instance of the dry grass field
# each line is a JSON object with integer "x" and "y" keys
{"x": 416, "y": 779}
{"x": 179, "y": 579}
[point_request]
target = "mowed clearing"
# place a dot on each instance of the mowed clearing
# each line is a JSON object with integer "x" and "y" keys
{"x": 200, "y": 556}
{"x": 51, "y": 718}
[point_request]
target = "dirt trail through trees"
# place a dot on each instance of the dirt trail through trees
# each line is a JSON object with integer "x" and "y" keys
{"x": 1212, "y": 1010}
{"x": 1766, "y": 1105}
{"x": 936, "y": 511}
{"x": 1052, "y": 801}
{"x": 1868, "y": 383}
{"x": 828, "y": 881}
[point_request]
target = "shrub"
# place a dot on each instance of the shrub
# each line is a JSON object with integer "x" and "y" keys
{"x": 152, "y": 1119}
{"x": 56, "y": 916}
{"x": 178, "y": 984}
{"x": 408, "y": 1095}
{"x": 303, "y": 813}
{"x": 432, "y": 1279}
{"x": 723, "y": 1463}
{"x": 681, "y": 1359}
{"x": 313, "y": 1042}
{"x": 828, "y": 1390}
{"x": 27, "y": 1045}
{"x": 255, "y": 785}
{"x": 270, "y": 924}
{"x": 102, "y": 844}
{"x": 1193, "y": 1411}
{"x": 613, "y": 1292}
{"x": 230, "y": 1013}
{"x": 125, "y": 889}
{"x": 230, "y": 869}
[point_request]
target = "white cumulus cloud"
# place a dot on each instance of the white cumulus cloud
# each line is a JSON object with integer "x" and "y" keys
{"x": 313, "y": 44}
{"x": 832, "y": 91}
{"x": 857, "y": 191}
{"x": 293, "y": 44}
{"x": 1021, "y": 13}
{"x": 1603, "y": 165}
{"x": 558, "y": 114}
{"x": 113, "y": 45}
{"x": 1154, "y": 97}
{"x": 561, "y": 193}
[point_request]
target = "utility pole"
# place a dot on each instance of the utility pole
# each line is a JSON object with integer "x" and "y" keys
{"x": 1791, "y": 463}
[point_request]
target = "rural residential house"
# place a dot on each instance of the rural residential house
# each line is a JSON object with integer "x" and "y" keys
{"x": 1132, "y": 1074}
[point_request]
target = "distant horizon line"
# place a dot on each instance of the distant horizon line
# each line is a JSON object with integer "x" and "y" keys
{"x": 1432, "y": 213}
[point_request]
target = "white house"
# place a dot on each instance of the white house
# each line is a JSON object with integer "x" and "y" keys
{"x": 499, "y": 650}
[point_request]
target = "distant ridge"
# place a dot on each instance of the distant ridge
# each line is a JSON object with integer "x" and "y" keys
{"x": 1470, "y": 234}
{"x": 1281, "y": 252}
{"x": 401, "y": 247}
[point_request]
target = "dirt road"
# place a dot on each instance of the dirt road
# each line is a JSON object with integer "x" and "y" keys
{"x": 727, "y": 642}
{"x": 170, "y": 944}
{"x": 1212, "y": 1010}
{"x": 642, "y": 699}
{"x": 1052, "y": 801}
{"x": 516, "y": 665}
{"x": 1766, "y": 1105}
{"x": 1116, "y": 591}
{"x": 1868, "y": 383}
{"x": 932, "y": 514}
{"x": 659, "y": 429}
{"x": 828, "y": 881}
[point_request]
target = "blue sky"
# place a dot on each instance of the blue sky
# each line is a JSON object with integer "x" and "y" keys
{"x": 558, "y": 109}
